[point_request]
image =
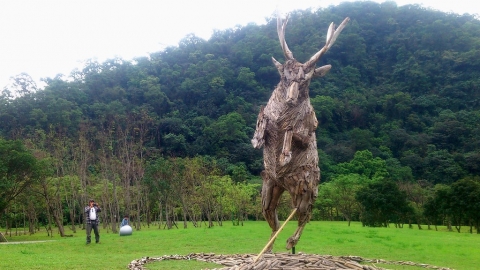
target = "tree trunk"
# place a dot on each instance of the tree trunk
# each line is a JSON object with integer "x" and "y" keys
{"x": 139, "y": 224}
{"x": 184, "y": 218}
{"x": 148, "y": 215}
{"x": 59, "y": 222}
{"x": 72, "y": 219}
{"x": 167, "y": 217}
{"x": 31, "y": 218}
{"x": 116, "y": 208}
{"x": 209, "y": 217}
{"x": 53, "y": 204}
{"x": 160, "y": 214}
{"x": 48, "y": 227}
{"x": 184, "y": 211}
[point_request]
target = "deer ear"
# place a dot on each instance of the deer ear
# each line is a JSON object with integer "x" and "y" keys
{"x": 278, "y": 65}
{"x": 321, "y": 71}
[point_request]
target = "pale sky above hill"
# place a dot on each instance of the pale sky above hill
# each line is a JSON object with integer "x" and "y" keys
{"x": 46, "y": 37}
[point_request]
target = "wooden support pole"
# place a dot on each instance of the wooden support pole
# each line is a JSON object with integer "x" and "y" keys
{"x": 275, "y": 235}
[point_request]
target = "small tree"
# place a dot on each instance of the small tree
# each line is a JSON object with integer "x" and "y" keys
{"x": 432, "y": 211}
{"x": 465, "y": 203}
{"x": 343, "y": 190}
{"x": 382, "y": 202}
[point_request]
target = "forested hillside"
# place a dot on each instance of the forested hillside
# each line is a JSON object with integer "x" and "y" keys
{"x": 401, "y": 103}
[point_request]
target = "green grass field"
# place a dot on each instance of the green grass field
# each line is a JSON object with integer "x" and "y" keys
{"x": 440, "y": 248}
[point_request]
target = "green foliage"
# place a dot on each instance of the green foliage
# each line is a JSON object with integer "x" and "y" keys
{"x": 464, "y": 202}
{"x": 382, "y": 202}
{"x": 340, "y": 193}
{"x": 365, "y": 165}
{"x": 18, "y": 170}
{"x": 198, "y": 187}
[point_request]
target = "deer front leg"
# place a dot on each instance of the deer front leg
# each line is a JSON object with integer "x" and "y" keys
{"x": 271, "y": 194}
{"x": 286, "y": 154}
{"x": 258, "y": 139}
{"x": 302, "y": 141}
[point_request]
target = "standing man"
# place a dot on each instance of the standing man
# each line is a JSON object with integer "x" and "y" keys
{"x": 93, "y": 220}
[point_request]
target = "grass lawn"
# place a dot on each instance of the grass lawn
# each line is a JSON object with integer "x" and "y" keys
{"x": 440, "y": 248}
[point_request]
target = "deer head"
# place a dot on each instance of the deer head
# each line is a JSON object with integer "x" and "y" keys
{"x": 296, "y": 76}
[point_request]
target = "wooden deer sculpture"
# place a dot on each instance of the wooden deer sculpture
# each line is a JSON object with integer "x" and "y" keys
{"x": 286, "y": 129}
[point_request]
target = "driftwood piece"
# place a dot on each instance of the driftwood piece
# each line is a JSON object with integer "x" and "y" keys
{"x": 286, "y": 131}
{"x": 274, "y": 261}
{"x": 3, "y": 238}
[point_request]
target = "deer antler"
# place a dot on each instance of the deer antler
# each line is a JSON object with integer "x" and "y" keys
{"x": 281, "y": 25}
{"x": 332, "y": 35}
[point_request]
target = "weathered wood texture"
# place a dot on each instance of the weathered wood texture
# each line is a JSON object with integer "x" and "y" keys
{"x": 2, "y": 238}
{"x": 286, "y": 131}
{"x": 279, "y": 261}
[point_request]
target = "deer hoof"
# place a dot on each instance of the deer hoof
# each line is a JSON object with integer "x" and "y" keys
{"x": 291, "y": 242}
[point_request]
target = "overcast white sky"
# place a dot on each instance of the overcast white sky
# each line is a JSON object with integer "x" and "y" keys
{"x": 46, "y": 37}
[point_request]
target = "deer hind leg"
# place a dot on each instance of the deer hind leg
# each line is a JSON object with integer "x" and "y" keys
{"x": 271, "y": 193}
{"x": 303, "y": 217}
{"x": 303, "y": 198}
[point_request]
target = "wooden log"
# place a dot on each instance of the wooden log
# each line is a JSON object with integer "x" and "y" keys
{"x": 353, "y": 265}
{"x": 260, "y": 265}
{"x": 3, "y": 238}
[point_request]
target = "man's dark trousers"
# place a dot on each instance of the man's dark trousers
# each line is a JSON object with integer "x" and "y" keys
{"x": 93, "y": 226}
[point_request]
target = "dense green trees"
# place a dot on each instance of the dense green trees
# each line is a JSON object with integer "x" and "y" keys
{"x": 18, "y": 170}
{"x": 21, "y": 172}
{"x": 401, "y": 103}
{"x": 198, "y": 187}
